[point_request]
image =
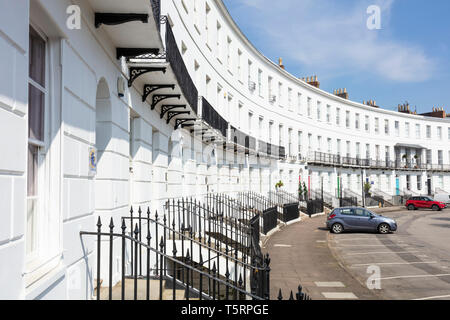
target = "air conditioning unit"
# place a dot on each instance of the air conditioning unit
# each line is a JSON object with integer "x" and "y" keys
{"x": 251, "y": 85}
{"x": 272, "y": 98}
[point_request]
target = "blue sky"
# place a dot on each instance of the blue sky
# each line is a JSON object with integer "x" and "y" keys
{"x": 408, "y": 59}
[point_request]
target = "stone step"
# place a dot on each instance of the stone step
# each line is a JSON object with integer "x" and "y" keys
{"x": 167, "y": 293}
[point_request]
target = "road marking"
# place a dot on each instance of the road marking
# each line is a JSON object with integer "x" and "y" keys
{"x": 417, "y": 276}
{"x": 435, "y": 297}
{"x": 352, "y": 239}
{"x": 331, "y": 284}
{"x": 321, "y": 241}
{"x": 379, "y": 252}
{"x": 391, "y": 263}
{"x": 339, "y": 295}
{"x": 370, "y": 245}
{"x": 282, "y": 245}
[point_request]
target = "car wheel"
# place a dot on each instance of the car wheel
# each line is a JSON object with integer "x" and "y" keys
{"x": 411, "y": 207}
{"x": 384, "y": 228}
{"x": 337, "y": 228}
{"x": 435, "y": 207}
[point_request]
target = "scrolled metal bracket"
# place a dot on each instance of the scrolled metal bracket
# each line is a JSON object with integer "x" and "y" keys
{"x": 112, "y": 19}
{"x": 157, "y": 98}
{"x": 165, "y": 108}
{"x": 182, "y": 122}
{"x": 172, "y": 114}
{"x": 136, "y": 72}
{"x": 150, "y": 88}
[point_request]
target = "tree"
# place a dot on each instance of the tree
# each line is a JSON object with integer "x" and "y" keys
{"x": 279, "y": 184}
{"x": 367, "y": 187}
{"x": 305, "y": 190}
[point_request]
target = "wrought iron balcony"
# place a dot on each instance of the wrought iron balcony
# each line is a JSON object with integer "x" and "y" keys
{"x": 213, "y": 118}
{"x": 173, "y": 56}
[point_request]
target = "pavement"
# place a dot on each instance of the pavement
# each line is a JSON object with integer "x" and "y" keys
{"x": 412, "y": 263}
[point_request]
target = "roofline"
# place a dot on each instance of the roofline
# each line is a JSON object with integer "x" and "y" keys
{"x": 242, "y": 36}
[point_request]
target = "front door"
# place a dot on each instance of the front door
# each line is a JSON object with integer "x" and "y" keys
{"x": 429, "y": 186}
{"x": 397, "y": 186}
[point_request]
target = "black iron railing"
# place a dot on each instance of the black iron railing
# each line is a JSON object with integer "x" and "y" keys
{"x": 157, "y": 262}
{"x": 213, "y": 118}
{"x": 288, "y": 202}
{"x": 184, "y": 80}
{"x": 337, "y": 160}
{"x": 156, "y": 8}
{"x": 348, "y": 202}
{"x": 201, "y": 255}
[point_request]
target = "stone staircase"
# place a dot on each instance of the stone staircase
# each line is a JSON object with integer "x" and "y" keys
{"x": 167, "y": 292}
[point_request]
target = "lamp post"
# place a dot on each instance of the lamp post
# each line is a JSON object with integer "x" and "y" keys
{"x": 362, "y": 189}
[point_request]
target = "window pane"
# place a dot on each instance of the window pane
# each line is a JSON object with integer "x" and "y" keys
{"x": 31, "y": 226}
{"x": 35, "y": 113}
{"x": 37, "y": 57}
{"x": 32, "y": 170}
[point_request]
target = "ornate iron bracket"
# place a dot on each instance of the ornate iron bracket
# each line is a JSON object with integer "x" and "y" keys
{"x": 165, "y": 108}
{"x": 112, "y": 19}
{"x": 163, "y": 19}
{"x": 136, "y": 72}
{"x": 150, "y": 88}
{"x": 182, "y": 122}
{"x": 172, "y": 114}
{"x": 134, "y": 52}
{"x": 157, "y": 98}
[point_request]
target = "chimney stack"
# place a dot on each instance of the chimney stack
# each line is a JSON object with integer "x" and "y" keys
{"x": 437, "y": 112}
{"x": 280, "y": 63}
{"x": 341, "y": 93}
{"x": 371, "y": 103}
{"x": 313, "y": 80}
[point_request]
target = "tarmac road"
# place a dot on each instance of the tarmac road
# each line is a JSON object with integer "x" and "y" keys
{"x": 414, "y": 262}
{"x": 300, "y": 256}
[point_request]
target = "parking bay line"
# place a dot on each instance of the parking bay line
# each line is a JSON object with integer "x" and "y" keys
{"x": 371, "y": 245}
{"x": 435, "y": 297}
{"x": 390, "y": 263}
{"x": 339, "y": 295}
{"x": 379, "y": 252}
{"x": 417, "y": 276}
{"x": 330, "y": 284}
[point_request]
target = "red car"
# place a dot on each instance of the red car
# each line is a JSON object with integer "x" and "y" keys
{"x": 424, "y": 202}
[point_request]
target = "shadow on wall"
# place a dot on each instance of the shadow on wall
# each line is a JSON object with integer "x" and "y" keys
{"x": 103, "y": 115}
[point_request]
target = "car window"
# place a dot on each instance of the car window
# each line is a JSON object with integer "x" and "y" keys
{"x": 359, "y": 212}
{"x": 347, "y": 212}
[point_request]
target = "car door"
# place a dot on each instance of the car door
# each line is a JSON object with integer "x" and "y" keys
{"x": 420, "y": 202}
{"x": 426, "y": 202}
{"x": 364, "y": 221}
{"x": 349, "y": 219}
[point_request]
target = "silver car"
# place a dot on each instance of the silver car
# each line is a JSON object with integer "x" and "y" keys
{"x": 359, "y": 219}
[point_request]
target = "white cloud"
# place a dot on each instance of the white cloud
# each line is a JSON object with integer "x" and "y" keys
{"x": 331, "y": 37}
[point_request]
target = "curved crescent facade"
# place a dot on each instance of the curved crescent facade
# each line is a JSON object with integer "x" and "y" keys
{"x": 327, "y": 139}
{"x": 110, "y": 103}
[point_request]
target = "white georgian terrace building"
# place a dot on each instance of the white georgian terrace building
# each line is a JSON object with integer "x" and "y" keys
{"x": 79, "y": 142}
